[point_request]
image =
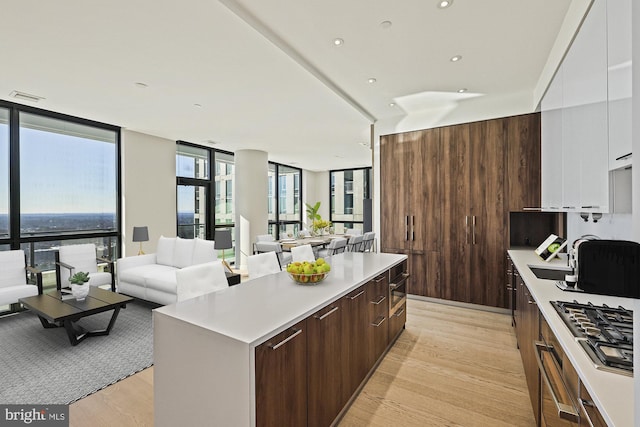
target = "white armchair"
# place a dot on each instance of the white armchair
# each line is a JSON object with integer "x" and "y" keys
{"x": 72, "y": 259}
{"x": 13, "y": 277}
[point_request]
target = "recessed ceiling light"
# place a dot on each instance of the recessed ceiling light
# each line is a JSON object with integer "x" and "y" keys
{"x": 463, "y": 90}
{"x": 372, "y": 80}
{"x": 338, "y": 42}
{"x": 386, "y": 24}
{"x": 456, "y": 58}
{"x": 443, "y": 4}
{"x": 392, "y": 104}
{"x": 141, "y": 85}
{"x": 197, "y": 105}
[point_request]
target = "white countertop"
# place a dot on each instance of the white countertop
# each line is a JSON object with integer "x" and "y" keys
{"x": 612, "y": 393}
{"x": 257, "y": 309}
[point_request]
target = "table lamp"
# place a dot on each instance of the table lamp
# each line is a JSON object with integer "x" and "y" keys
{"x": 223, "y": 241}
{"x": 140, "y": 234}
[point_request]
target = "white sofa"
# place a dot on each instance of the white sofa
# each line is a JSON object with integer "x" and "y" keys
{"x": 152, "y": 277}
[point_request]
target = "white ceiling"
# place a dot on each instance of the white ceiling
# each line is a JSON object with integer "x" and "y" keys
{"x": 265, "y": 72}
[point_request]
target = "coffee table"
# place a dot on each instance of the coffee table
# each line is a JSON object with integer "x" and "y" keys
{"x": 55, "y": 312}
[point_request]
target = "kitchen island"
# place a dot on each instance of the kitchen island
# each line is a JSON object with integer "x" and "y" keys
{"x": 205, "y": 349}
{"x": 612, "y": 393}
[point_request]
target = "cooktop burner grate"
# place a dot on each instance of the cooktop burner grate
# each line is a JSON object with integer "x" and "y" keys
{"x": 606, "y": 333}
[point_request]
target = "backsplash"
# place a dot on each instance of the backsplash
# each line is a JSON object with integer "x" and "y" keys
{"x": 610, "y": 226}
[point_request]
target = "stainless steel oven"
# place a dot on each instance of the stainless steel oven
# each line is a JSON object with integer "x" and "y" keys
{"x": 398, "y": 276}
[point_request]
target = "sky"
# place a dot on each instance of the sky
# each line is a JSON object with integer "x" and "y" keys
{"x": 60, "y": 173}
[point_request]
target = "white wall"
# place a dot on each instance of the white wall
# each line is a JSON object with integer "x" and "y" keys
{"x": 315, "y": 189}
{"x": 148, "y": 188}
{"x": 636, "y": 186}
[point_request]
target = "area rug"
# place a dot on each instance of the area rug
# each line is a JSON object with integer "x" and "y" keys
{"x": 40, "y": 366}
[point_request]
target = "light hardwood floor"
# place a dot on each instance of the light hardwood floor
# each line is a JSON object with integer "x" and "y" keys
{"x": 451, "y": 367}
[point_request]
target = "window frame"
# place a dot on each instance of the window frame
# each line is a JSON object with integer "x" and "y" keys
{"x": 368, "y": 179}
{"x": 275, "y": 224}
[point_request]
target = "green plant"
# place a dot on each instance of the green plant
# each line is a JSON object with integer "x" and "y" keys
{"x": 312, "y": 211}
{"x": 80, "y": 278}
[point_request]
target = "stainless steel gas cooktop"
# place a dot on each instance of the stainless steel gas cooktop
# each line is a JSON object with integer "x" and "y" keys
{"x": 605, "y": 333}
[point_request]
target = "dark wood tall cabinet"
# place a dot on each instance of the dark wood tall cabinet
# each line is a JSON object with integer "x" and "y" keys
{"x": 446, "y": 194}
{"x": 410, "y": 212}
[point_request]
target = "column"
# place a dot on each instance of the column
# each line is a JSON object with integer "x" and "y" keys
{"x": 251, "y": 192}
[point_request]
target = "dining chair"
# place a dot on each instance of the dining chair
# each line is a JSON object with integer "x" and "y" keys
{"x": 353, "y": 231}
{"x": 71, "y": 259}
{"x": 200, "y": 279}
{"x": 355, "y": 243}
{"x": 276, "y": 247}
{"x": 304, "y": 233}
{"x": 336, "y": 246}
{"x": 259, "y": 265}
{"x": 302, "y": 253}
{"x": 368, "y": 241}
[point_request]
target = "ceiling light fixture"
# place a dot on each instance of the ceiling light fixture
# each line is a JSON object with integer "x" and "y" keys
{"x": 338, "y": 42}
{"x": 141, "y": 85}
{"x": 392, "y": 104}
{"x": 456, "y": 58}
{"x": 386, "y": 24}
{"x": 445, "y": 4}
{"x": 463, "y": 90}
{"x": 197, "y": 105}
{"x": 372, "y": 80}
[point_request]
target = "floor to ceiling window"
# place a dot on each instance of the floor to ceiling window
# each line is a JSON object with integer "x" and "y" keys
{"x": 204, "y": 193}
{"x": 60, "y": 187}
{"x": 285, "y": 199}
{"x": 349, "y": 188}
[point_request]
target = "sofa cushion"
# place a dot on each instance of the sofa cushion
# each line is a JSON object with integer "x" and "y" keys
{"x": 99, "y": 279}
{"x": 136, "y": 275}
{"x": 11, "y": 294}
{"x": 182, "y": 252}
{"x": 164, "y": 251}
{"x": 203, "y": 251}
{"x": 164, "y": 281}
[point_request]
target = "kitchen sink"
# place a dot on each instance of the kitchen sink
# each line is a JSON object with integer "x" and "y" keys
{"x": 550, "y": 272}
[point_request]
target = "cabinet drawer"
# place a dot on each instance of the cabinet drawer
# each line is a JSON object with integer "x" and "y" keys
{"x": 397, "y": 321}
{"x": 589, "y": 415}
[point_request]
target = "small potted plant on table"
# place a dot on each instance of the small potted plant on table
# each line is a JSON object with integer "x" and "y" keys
{"x": 79, "y": 286}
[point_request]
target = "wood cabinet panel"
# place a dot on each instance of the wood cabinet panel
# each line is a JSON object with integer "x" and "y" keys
{"x": 325, "y": 365}
{"x": 356, "y": 336}
{"x": 456, "y": 221}
{"x": 282, "y": 360}
{"x": 489, "y": 234}
{"x": 378, "y": 295}
{"x": 522, "y": 174}
{"x": 394, "y": 206}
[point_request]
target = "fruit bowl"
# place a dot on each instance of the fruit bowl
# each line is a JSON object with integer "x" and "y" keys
{"x": 308, "y": 279}
{"x": 309, "y": 273}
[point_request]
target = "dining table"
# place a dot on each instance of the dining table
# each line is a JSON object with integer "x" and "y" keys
{"x": 314, "y": 241}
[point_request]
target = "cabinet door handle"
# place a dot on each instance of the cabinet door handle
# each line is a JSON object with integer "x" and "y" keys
{"x": 380, "y": 322}
{"x": 413, "y": 228}
{"x": 406, "y": 227}
{"x": 379, "y": 301}
{"x": 399, "y": 312}
{"x": 379, "y": 279}
{"x": 327, "y": 314}
{"x": 473, "y": 231}
{"x": 356, "y": 296}
{"x": 624, "y": 157}
{"x": 466, "y": 228}
{"x": 286, "y": 340}
{"x": 566, "y": 412}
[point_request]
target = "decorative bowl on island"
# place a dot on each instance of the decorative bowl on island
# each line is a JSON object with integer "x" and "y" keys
{"x": 309, "y": 273}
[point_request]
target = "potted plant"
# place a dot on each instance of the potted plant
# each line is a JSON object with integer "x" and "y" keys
{"x": 79, "y": 286}
{"x": 318, "y": 225}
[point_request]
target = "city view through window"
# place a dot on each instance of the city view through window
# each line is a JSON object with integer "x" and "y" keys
{"x": 66, "y": 187}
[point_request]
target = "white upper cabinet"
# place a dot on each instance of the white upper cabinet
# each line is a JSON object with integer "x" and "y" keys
{"x": 586, "y": 113}
{"x": 619, "y": 82}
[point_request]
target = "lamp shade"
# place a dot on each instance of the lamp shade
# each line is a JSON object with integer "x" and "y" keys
{"x": 140, "y": 234}
{"x": 222, "y": 238}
